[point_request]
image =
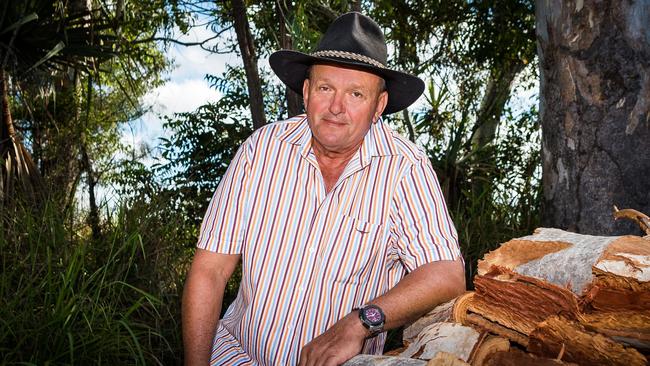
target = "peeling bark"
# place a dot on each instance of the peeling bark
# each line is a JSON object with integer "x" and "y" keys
{"x": 595, "y": 112}
{"x": 557, "y": 336}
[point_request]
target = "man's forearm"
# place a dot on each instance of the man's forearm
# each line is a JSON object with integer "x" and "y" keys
{"x": 417, "y": 293}
{"x": 202, "y": 301}
{"x": 420, "y": 291}
{"x": 200, "y": 317}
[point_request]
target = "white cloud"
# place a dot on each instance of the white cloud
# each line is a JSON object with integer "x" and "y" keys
{"x": 180, "y": 96}
{"x": 185, "y": 91}
{"x": 172, "y": 97}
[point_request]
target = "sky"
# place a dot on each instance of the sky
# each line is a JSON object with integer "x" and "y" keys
{"x": 185, "y": 90}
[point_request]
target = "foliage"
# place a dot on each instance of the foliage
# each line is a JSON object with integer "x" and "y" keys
{"x": 509, "y": 206}
{"x": 68, "y": 300}
{"x": 49, "y": 35}
{"x": 197, "y": 153}
{"x": 68, "y": 296}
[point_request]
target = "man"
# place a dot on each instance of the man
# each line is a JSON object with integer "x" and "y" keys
{"x": 339, "y": 222}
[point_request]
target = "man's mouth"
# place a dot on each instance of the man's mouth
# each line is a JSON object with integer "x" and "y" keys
{"x": 333, "y": 122}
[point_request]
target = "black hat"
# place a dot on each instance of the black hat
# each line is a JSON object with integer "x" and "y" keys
{"x": 354, "y": 40}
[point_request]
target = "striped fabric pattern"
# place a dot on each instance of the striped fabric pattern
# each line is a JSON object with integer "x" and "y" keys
{"x": 310, "y": 257}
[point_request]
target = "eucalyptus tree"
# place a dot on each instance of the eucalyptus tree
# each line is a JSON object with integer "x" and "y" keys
{"x": 595, "y": 112}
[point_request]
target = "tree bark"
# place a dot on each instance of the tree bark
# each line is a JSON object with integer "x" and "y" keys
{"x": 284, "y": 9}
{"x": 87, "y": 166}
{"x": 558, "y": 336}
{"x": 6, "y": 134}
{"x": 601, "y": 283}
{"x": 594, "y": 111}
{"x": 355, "y": 5}
{"x": 247, "y": 49}
{"x": 93, "y": 214}
{"x": 517, "y": 357}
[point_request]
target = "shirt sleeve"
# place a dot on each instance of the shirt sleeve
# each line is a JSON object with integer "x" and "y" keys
{"x": 425, "y": 232}
{"x": 223, "y": 226}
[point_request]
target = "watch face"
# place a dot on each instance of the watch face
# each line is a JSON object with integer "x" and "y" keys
{"x": 373, "y": 315}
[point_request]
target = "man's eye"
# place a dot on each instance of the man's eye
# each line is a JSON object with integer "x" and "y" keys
{"x": 323, "y": 88}
{"x": 357, "y": 94}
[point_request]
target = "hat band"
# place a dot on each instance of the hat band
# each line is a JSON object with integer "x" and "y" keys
{"x": 349, "y": 55}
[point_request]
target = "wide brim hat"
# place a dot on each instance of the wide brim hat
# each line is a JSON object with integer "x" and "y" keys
{"x": 356, "y": 41}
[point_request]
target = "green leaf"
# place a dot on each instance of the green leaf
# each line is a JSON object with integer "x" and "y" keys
{"x": 29, "y": 18}
{"x": 53, "y": 52}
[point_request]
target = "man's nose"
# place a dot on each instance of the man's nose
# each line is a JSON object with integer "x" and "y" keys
{"x": 337, "y": 104}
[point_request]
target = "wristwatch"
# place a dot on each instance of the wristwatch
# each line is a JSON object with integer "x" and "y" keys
{"x": 372, "y": 318}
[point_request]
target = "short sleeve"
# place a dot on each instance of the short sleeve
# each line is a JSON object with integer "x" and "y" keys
{"x": 424, "y": 230}
{"x": 223, "y": 225}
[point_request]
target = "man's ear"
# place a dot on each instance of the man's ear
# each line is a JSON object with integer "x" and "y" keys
{"x": 382, "y": 101}
{"x": 305, "y": 92}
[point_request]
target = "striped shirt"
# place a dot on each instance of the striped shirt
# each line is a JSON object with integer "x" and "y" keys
{"x": 309, "y": 257}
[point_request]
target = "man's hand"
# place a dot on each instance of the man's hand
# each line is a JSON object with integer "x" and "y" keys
{"x": 339, "y": 343}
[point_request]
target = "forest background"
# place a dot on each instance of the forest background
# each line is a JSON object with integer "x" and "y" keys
{"x": 97, "y": 234}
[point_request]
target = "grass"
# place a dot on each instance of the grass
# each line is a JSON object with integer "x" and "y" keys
{"x": 65, "y": 300}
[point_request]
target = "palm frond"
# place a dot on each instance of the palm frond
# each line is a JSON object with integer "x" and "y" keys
{"x": 48, "y": 37}
{"x": 19, "y": 23}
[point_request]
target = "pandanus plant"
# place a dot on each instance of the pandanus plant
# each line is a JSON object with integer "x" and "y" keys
{"x": 43, "y": 37}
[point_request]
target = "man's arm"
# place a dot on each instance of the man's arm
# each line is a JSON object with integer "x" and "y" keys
{"x": 418, "y": 292}
{"x": 202, "y": 300}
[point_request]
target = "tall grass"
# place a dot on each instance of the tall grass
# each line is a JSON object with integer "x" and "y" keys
{"x": 66, "y": 300}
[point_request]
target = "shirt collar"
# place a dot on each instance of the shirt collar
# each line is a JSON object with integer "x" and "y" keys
{"x": 377, "y": 142}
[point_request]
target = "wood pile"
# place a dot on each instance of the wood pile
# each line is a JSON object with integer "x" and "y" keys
{"x": 552, "y": 298}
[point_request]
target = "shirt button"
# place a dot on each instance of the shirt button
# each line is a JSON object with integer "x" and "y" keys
{"x": 311, "y": 249}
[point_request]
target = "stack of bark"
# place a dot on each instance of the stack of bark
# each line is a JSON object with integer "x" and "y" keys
{"x": 580, "y": 298}
{"x": 552, "y": 298}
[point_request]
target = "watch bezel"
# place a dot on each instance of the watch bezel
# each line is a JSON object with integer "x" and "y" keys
{"x": 373, "y": 327}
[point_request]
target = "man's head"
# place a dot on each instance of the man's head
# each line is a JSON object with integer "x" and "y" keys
{"x": 341, "y": 104}
{"x": 351, "y": 41}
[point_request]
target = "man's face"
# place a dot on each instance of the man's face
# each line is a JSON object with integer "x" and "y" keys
{"x": 341, "y": 104}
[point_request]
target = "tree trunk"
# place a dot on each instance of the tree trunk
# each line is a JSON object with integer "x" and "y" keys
{"x": 247, "y": 49}
{"x": 284, "y": 9}
{"x": 497, "y": 94}
{"x": 93, "y": 215}
{"x": 6, "y": 135}
{"x": 18, "y": 173}
{"x": 7, "y": 126}
{"x": 594, "y": 110}
{"x": 408, "y": 124}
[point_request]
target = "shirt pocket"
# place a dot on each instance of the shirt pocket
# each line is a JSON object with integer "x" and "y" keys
{"x": 354, "y": 250}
